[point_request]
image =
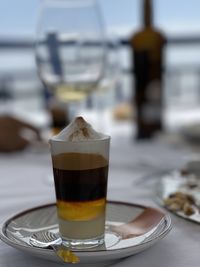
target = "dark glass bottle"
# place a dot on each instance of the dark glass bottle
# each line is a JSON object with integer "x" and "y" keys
{"x": 147, "y": 46}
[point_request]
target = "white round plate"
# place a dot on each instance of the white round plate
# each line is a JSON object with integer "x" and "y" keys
{"x": 17, "y": 231}
{"x": 172, "y": 182}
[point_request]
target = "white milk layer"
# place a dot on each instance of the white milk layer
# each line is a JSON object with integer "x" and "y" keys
{"x": 82, "y": 229}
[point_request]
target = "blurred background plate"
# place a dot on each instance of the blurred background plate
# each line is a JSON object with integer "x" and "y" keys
{"x": 172, "y": 182}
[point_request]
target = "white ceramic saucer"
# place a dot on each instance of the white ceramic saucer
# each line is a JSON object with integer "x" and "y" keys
{"x": 17, "y": 232}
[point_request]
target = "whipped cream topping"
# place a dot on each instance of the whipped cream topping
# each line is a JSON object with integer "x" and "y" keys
{"x": 79, "y": 130}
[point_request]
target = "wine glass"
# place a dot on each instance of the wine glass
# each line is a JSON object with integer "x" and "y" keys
{"x": 70, "y": 48}
{"x": 70, "y": 51}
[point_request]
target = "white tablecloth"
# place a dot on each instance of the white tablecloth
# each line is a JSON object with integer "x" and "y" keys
{"x": 25, "y": 181}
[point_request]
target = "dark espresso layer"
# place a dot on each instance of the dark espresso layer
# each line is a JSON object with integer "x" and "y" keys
{"x": 84, "y": 185}
{"x": 81, "y": 177}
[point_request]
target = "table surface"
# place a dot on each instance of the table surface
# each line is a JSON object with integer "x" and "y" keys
{"x": 25, "y": 181}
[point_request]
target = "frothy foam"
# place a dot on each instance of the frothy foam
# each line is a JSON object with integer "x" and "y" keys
{"x": 79, "y": 130}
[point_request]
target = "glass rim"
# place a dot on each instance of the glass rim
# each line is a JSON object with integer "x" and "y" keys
{"x": 105, "y": 138}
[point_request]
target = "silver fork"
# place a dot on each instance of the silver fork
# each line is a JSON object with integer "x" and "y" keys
{"x": 45, "y": 239}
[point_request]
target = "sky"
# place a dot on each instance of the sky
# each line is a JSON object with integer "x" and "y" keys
{"x": 19, "y": 17}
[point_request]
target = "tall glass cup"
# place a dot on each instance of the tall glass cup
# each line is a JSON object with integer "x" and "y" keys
{"x": 80, "y": 175}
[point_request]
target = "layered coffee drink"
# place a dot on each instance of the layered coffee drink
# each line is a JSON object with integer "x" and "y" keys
{"x": 81, "y": 186}
{"x": 80, "y": 167}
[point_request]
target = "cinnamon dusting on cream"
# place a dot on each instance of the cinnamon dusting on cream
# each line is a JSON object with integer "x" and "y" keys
{"x": 82, "y": 129}
{"x": 79, "y": 130}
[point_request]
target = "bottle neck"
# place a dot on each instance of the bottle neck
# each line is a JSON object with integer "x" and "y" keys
{"x": 147, "y": 14}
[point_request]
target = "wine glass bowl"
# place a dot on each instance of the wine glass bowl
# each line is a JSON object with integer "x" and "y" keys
{"x": 70, "y": 47}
